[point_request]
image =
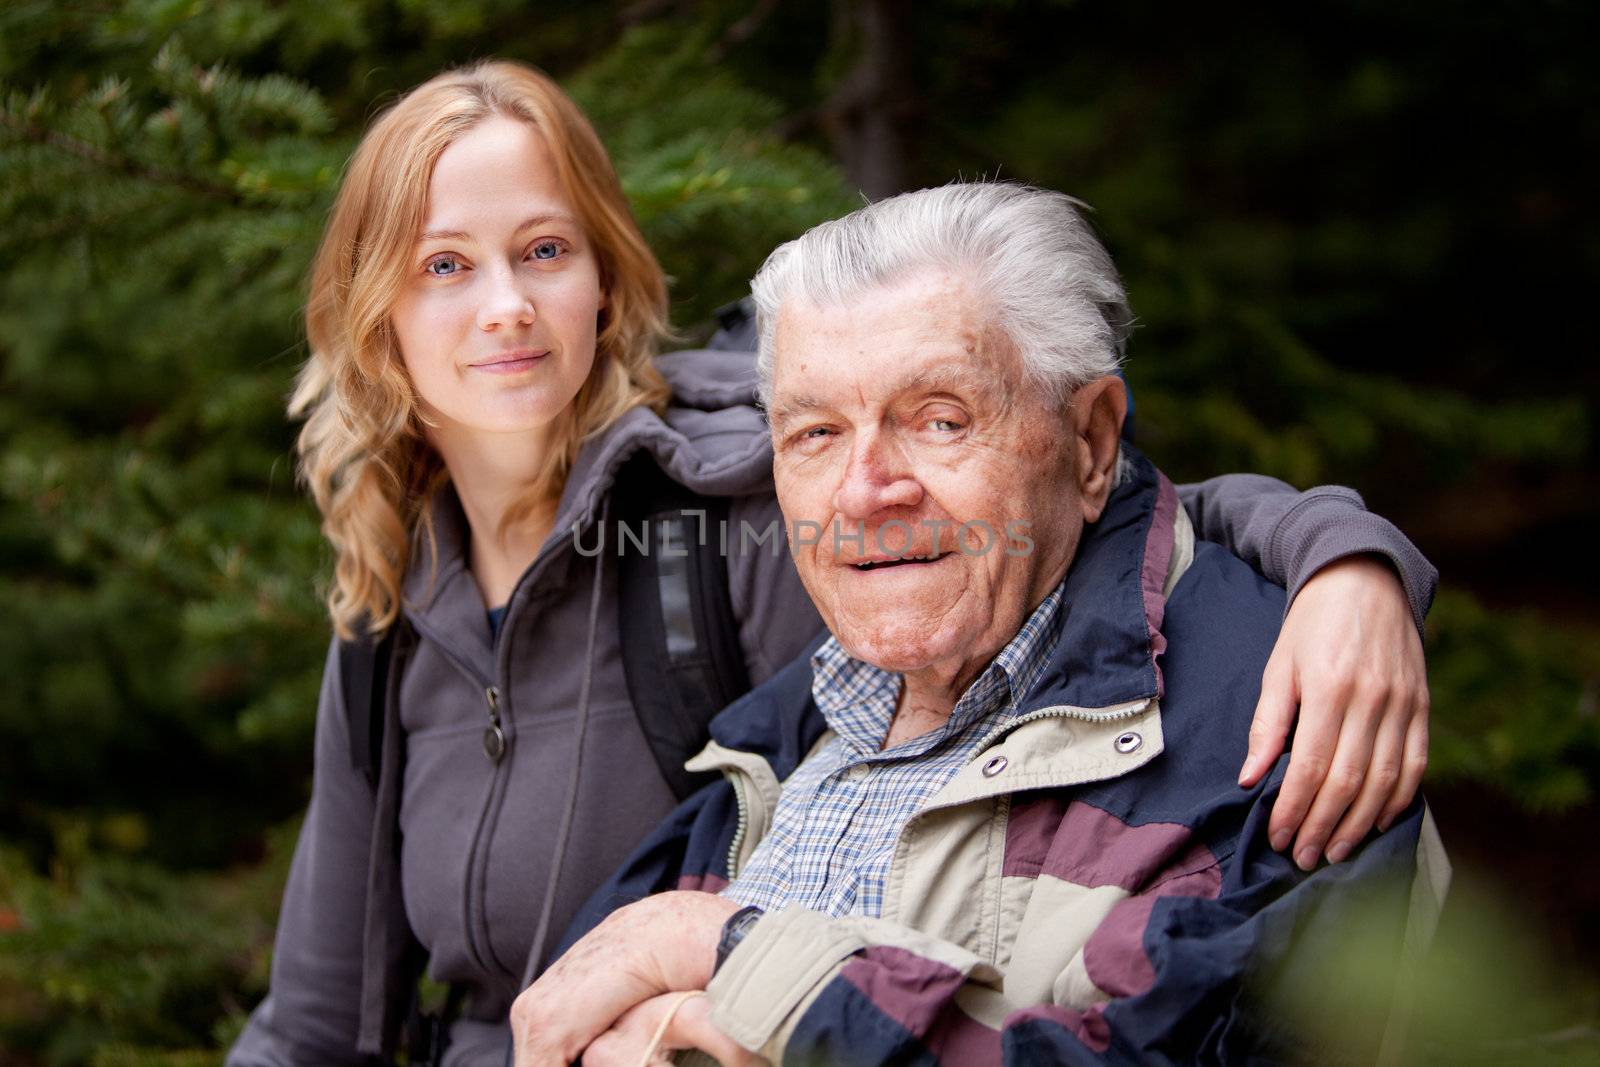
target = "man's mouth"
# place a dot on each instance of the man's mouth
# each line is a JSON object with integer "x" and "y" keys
{"x": 897, "y": 561}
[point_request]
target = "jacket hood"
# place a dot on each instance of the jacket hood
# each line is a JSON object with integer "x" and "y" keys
{"x": 713, "y": 439}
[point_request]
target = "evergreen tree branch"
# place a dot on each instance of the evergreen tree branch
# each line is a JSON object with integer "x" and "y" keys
{"x": 118, "y": 162}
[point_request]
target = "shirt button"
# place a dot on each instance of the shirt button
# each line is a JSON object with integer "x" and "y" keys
{"x": 994, "y": 766}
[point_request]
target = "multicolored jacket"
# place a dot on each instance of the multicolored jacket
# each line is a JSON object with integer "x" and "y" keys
{"x": 1094, "y": 886}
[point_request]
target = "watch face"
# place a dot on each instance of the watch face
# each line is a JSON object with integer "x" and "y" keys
{"x": 733, "y": 931}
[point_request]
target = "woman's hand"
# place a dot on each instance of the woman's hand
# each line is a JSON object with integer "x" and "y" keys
{"x": 651, "y": 1032}
{"x": 1349, "y": 660}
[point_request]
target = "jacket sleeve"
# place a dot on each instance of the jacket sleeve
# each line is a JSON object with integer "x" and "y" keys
{"x": 1174, "y": 973}
{"x": 1289, "y": 535}
{"x": 310, "y": 1014}
{"x": 776, "y": 617}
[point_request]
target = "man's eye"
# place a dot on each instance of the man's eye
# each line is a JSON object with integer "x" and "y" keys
{"x": 810, "y": 439}
{"x": 442, "y": 266}
{"x": 547, "y": 250}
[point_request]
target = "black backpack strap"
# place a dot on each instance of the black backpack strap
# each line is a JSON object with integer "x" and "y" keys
{"x": 363, "y": 682}
{"x": 680, "y": 639}
{"x": 428, "y": 1031}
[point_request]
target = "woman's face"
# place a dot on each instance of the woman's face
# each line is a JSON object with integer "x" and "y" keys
{"x": 496, "y": 321}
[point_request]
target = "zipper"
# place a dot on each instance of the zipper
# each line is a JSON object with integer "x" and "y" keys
{"x": 474, "y": 900}
{"x": 742, "y": 826}
{"x": 476, "y": 936}
{"x": 1128, "y": 711}
{"x": 494, "y": 737}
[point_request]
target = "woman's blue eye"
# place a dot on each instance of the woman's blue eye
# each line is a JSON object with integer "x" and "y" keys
{"x": 945, "y": 425}
{"x": 442, "y": 268}
{"x": 546, "y": 250}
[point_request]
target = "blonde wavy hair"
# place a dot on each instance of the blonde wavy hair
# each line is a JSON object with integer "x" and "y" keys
{"x": 362, "y": 450}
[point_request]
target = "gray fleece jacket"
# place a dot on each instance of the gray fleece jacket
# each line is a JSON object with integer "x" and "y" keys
{"x": 454, "y": 861}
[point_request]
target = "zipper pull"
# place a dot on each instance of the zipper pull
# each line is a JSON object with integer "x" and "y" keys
{"x": 494, "y": 738}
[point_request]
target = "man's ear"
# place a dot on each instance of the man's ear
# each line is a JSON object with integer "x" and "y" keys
{"x": 1095, "y": 418}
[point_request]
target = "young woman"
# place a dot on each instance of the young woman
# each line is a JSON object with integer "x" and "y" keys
{"x": 483, "y": 320}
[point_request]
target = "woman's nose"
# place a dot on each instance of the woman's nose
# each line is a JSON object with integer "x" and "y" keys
{"x": 506, "y": 301}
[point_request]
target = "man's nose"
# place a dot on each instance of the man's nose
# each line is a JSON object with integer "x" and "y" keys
{"x": 507, "y": 299}
{"x": 876, "y": 478}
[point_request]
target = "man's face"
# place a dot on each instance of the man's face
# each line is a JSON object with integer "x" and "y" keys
{"x": 937, "y": 484}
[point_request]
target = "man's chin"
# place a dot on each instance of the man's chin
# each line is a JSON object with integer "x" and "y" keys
{"x": 892, "y": 645}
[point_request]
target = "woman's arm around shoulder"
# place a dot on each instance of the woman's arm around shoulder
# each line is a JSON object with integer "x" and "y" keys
{"x": 1348, "y": 664}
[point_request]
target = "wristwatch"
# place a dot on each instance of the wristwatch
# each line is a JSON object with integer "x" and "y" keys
{"x": 733, "y": 931}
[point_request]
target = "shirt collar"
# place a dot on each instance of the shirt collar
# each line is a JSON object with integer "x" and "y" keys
{"x": 858, "y": 699}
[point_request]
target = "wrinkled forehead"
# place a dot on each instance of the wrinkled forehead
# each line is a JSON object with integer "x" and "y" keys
{"x": 928, "y": 334}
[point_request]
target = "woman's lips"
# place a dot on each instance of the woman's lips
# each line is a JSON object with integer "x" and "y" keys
{"x": 513, "y": 362}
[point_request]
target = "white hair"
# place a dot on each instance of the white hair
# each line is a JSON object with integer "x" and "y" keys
{"x": 1029, "y": 252}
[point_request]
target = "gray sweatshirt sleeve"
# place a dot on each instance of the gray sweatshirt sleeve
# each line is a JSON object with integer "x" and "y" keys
{"x": 776, "y": 617}
{"x": 1288, "y": 535}
{"x": 310, "y": 1014}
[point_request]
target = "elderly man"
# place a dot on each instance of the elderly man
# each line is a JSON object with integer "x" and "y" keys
{"x": 994, "y": 816}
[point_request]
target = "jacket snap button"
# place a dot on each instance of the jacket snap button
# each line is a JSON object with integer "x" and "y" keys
{"x": 994, "y": 766}
{"x": 1128, "y": 742}
{"x": 494, "y": 743}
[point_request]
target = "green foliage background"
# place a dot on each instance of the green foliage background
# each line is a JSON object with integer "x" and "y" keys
{"x": 1332, "y": 285}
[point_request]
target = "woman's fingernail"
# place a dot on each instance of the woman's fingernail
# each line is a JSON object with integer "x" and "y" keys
{"x": 1280, "y": 840}
{"x": 1338, "y": 852}
{"x": 1307, "y": 858}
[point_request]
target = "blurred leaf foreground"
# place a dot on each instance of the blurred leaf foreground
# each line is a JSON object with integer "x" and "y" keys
{"x": 165, "y": 166}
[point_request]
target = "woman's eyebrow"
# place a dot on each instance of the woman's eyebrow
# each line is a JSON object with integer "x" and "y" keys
{"x": 541, "y": 219}
{"x": 545, "y": 218}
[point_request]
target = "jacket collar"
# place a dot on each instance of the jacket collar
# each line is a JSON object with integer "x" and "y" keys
{"x": 1114, "y": 598}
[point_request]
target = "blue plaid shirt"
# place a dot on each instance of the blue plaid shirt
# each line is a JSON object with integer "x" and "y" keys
{"x": 841, "y": 812}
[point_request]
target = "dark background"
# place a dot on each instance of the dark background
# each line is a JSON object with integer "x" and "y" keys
{"x": 1359, "y": 239}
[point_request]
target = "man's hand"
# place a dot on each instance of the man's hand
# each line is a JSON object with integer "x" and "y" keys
{"x": 663, "y": 943}
{"x": 1350, "y": 660}
{"x": 688, "y": 1025}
